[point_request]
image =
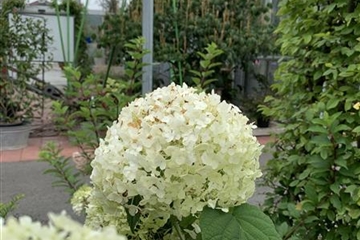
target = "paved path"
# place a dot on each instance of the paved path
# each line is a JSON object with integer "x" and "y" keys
{"x": 40, "y": 197}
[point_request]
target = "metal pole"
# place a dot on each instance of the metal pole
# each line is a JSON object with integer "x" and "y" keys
{"x": 147, "y": 31}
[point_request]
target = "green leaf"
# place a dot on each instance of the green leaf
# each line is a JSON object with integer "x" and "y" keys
{"x": 341, "y": 162}
{"x": 348, "y": 104}
{"x": 283, "y": 229}
{"x": 335, "y": 188}
{"x": 133, "y": 219}
{"x": 318, "y": 129}
{"x": 354, "y": 213}
{"x": 317, "y": 162}
{"x": 187, "y": 221}
{"x": 327, "y": 72}
{"x": 329, "y": 65}
{"x": 307, "y": 205}
{"x": 346, "y": 74}
{"x": 207, "y": 82}
{"x": 293, "y": 212}
{"x": 205, "y": 63}
{"x": 307, "y": 38}
{"x": 347, "y": 51}
{"x": 324, "y": 153}
{"x": 305, "y": 174}
{"x": 335, "y": 201}
{"x": 244, "y": 222}
{"x": 196, "y": 73}
{"x": 332, "y": 103}
{"x": 341, "y": 127}
{"x": 357, "y": 47}
{"x": 356, "y": 130}
{"x": 311, "y": 193}
{"x": 317, "y": 75}
{"x": 351, "y": 189}
{"x": 311, "y": 219}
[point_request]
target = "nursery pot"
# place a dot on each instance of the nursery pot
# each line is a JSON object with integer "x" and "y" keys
{"x": 99, "y": 61}
{"x": 263, "y": 122}
{"x": 14, "y": 136}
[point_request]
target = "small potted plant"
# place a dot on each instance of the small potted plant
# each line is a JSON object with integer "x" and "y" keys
{"x": 22, "y": 42}
{"x": 99, "y": 57}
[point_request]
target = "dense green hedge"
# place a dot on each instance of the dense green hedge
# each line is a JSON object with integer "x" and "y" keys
{"x": 315, "y": 169}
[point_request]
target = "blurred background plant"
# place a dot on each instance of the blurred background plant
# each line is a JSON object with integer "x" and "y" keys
{"x": 203, "y": 43}
{"x": 90, "y": 105}
{"x": 240, "y": 28}
{"x": 23, "y": 44}
{"x": 93, "y": 103}
{"x": 6, "y": 208}
{"x": 78, "y": 11}
{"x": 253, "y": 103}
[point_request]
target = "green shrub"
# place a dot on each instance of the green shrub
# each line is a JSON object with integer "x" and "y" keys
{"x": 315, "y": 168}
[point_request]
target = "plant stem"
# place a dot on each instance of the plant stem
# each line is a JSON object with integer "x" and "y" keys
{"x": 178, "y": 229}
{"x": 83, "y": 17}
{"x": 177, "y": 41}
{"x": 112, "y": 54}
{"x": 293, "y": 230}
{"x": 60, "y": 31}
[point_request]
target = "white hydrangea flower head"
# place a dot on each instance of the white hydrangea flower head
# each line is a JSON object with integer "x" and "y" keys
{"x": 101, "y": 213}
{"x": 79, "y": 200}
{"x": 61, "y": 227}
{"x": 179, "y": 150}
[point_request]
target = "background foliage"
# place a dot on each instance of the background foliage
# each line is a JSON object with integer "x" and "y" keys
{"x": 239, "y": 27}
{"x": 91, "y": 104}
{"x": 315, "y": 168}
{"x": 23, "y": 41}
{"x": 76, "y": 10}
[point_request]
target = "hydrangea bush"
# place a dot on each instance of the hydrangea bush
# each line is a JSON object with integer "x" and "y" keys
{"x": 170, "y": 155}
{"x": 61, "y": 227}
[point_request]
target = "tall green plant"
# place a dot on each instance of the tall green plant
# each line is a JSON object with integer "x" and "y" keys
{"x": 315, "y": 168}
{"x": 202, "y": 78}
{"x": 79, "y": 12}
{"x": 117, "y": 29}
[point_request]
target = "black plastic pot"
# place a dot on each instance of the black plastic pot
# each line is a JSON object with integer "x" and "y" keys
{"x": 263, "y": 122}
